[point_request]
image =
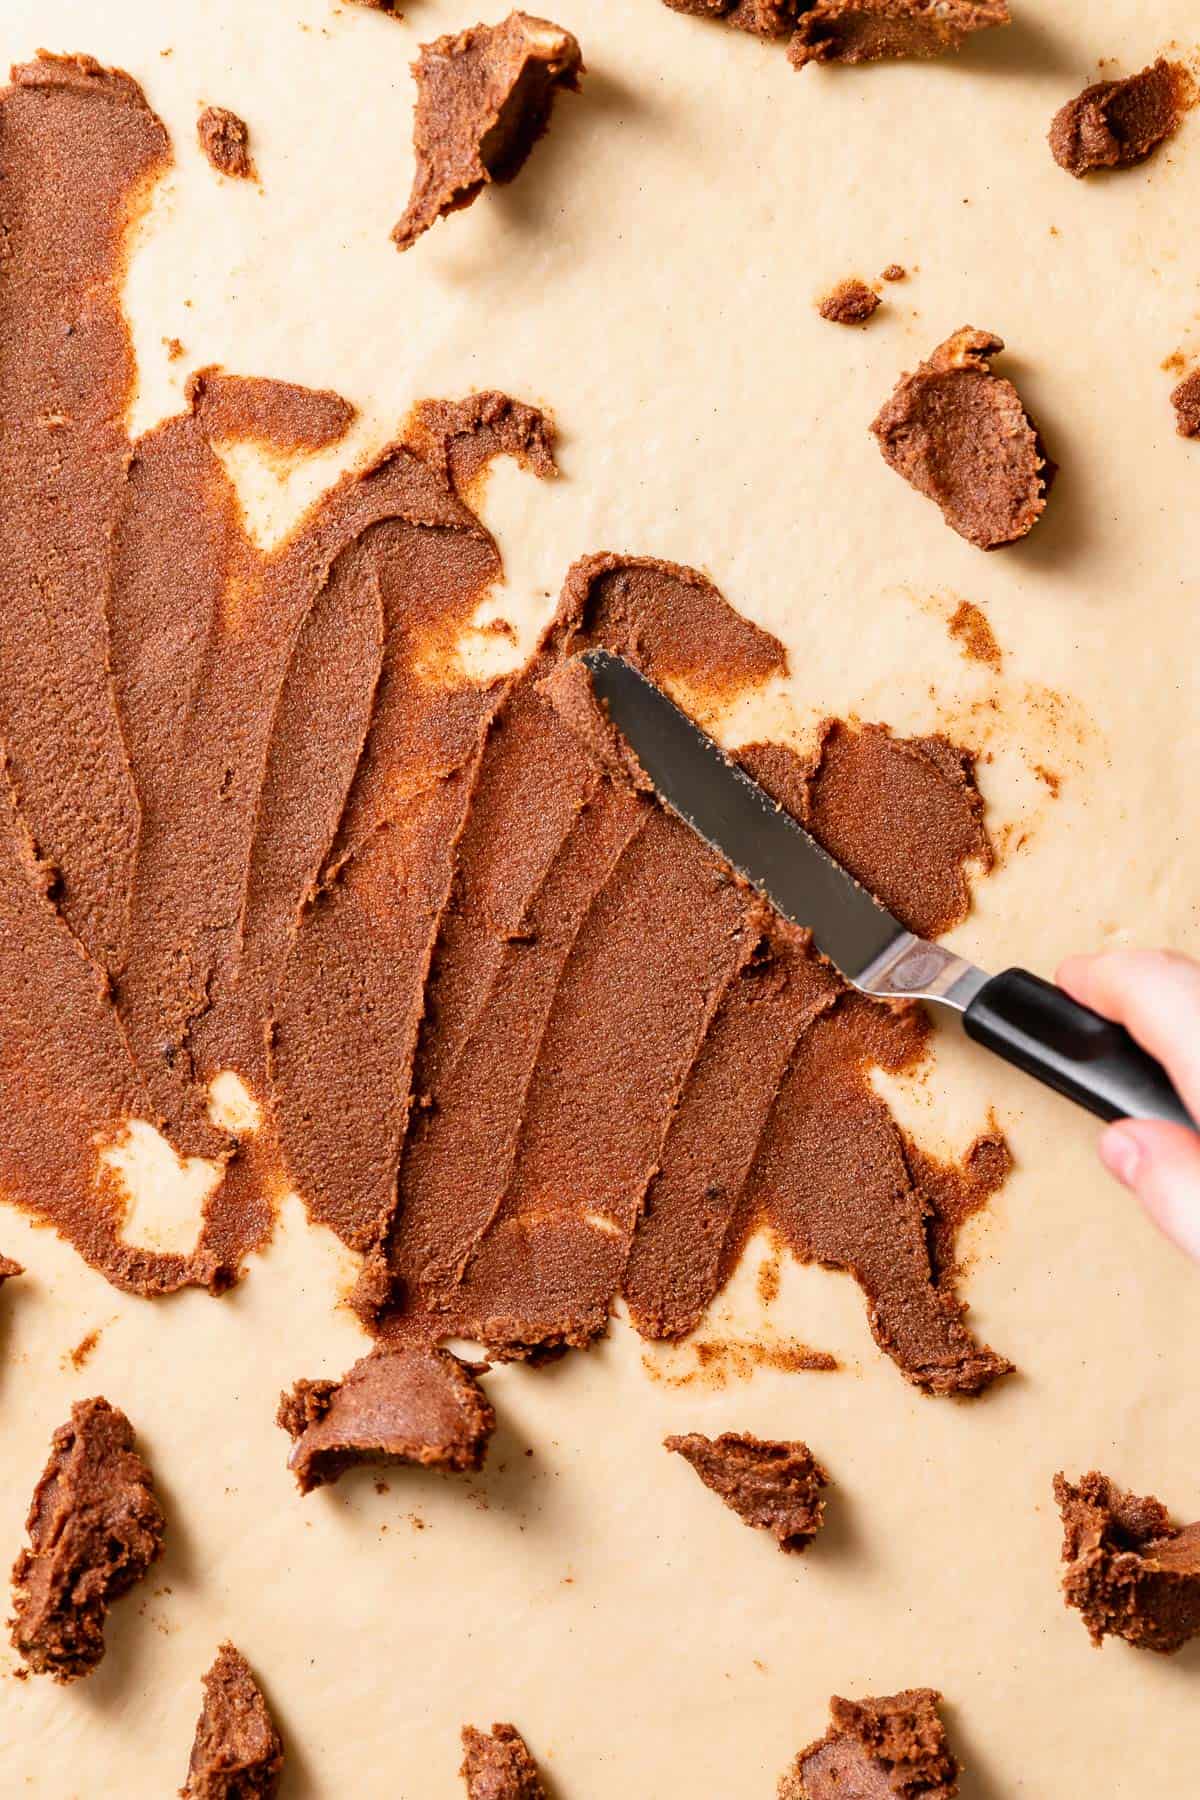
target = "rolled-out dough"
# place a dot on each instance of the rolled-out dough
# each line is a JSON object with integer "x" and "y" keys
{"x": 653, "y": 280}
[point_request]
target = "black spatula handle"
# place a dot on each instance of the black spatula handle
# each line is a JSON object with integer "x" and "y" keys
{"x": 1072, "y": 1049}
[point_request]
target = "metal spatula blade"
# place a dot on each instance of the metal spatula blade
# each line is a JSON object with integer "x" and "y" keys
{"x": 1026, "y": 1020}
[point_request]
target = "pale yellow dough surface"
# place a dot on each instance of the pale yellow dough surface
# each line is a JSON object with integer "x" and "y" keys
{"x": 652, "y": 279}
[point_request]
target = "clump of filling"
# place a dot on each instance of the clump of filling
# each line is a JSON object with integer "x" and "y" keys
{"x": 958, "y": 433}
{"x": 855, "y": 31}
{"x": 776, "y": 1487}
{"x": 1185, "y": 398}
{"x": 95, "y": 1526}
{"x": 890, "y": 1748}
{"x": 1116, "y": 124}
{"x": 483, "y": 100}
{"x": 225, "y": 140}
{"x": 850, "y": 303}
{"x": 497, "y": 1765}
{"x": 237, "y": 1753}
{"x": 1128, "y": 1569}
{"x": 394, "y": 1406}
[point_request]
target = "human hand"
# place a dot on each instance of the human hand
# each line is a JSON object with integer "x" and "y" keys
{"x": 1155, "y": 994}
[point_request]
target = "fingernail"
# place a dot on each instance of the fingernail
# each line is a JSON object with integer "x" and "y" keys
{"x": 1121, "y": 1156}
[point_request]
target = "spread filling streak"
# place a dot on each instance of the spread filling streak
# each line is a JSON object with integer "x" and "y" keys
{"x": 508, "y": 1028}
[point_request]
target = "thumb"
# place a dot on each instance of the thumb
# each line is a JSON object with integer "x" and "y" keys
{"x": 1161, "y": 1164}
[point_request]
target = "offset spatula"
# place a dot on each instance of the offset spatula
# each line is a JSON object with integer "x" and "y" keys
{"x": 1023, "y": 1019}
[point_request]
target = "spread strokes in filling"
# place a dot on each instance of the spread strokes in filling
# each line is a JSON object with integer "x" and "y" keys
{"x": 510, "y": 1030}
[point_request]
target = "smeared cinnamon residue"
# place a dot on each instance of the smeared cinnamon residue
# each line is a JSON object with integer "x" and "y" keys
{"x": 82, "y": 1352}
{"x": 969, "y": 626}
{"x": 722, "y": 1360}
{"x": 768, "y": 1278}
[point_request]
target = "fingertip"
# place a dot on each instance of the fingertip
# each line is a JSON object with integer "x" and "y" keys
{"x": 1100, "y": 977}
{"x": 1121, "y": 1152}
{"x": 1160, "y": 1163}
{"x": 1073, "y": 975}
{"x": 1155, "y": 994}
